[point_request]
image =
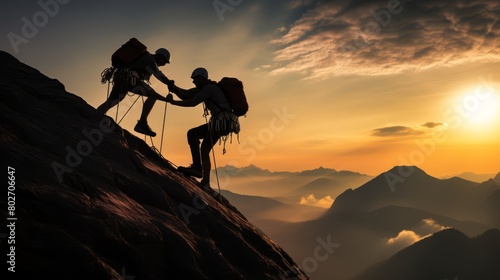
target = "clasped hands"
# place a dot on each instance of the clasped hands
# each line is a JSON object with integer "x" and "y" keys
{"x": 169, "y": 97}
{"x": 171, "y": 85}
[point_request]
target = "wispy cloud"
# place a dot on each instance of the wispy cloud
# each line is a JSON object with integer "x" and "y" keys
{"x": 336, "y": 38}
{"x": 429, "y": 226}
{"x": 265, "y": 66}
{"x": 432, "y": 125}
{"x": 398, "y": 130}
{"x": 402, "y": 131}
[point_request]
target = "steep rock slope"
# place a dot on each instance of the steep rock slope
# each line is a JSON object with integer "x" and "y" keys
{"x": 92, "y": 201}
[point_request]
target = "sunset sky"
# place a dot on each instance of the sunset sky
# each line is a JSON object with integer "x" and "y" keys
{"x": 350, "y": 85}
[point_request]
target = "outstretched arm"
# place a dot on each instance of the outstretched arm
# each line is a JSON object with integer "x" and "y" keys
{"x": 162, "y": 78}
{"x": 183, "y": 103}
{"x": 184, "y": 94}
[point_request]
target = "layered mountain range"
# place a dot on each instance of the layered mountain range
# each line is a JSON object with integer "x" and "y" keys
{"x": 393, "y": 226}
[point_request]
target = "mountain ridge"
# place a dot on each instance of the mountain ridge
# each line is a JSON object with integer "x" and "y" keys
{"x": 457, "y": 256}
{"x": 474, "y": 177}
{"x": 418, "y": 189}
{"x": 253, "y": 170}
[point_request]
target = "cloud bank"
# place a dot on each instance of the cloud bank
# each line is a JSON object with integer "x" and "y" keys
{"x": 311, "y": 200}
{"x": 408, "y": 237}
{"x": 338, "y": 38}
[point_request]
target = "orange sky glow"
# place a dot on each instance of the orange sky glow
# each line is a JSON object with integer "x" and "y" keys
{"x": 338, "y": 84}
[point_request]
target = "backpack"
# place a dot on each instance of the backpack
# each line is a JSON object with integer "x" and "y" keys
{"x": 127, "y": 53}
{"x": 235, "y": 95}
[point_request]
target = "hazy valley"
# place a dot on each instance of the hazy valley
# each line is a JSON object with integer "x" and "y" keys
{"x": 371, "y": 219}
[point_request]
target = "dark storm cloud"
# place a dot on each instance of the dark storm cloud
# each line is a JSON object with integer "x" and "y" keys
{"x": 335, "y": 38}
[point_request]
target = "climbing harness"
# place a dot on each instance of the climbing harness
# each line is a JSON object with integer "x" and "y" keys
{"x": 224, "y": 123}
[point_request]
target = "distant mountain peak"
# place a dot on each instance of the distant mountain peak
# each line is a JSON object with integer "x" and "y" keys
{"x": 447, "y": 252}
{"x": 253, "y": 166}
{"x": 320, "y": 171}
{"x": 407, "y": 171}
{"x": 321, "y": 168}
{"x": 449, "y": 233}
{"x": 410, "y": 186}
{"x": 324, "y": 168}
{"x": 250, "y": 170}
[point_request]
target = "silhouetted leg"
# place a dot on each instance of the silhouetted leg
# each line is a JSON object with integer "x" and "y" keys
{"x": 194, "y": 135}
{"x": 116, "y": 95}
{"x": 146, "y": 108}
{"x": 108, "y": 104}
{"x": 206, "y": 146}
{"x": 145, "y": 89}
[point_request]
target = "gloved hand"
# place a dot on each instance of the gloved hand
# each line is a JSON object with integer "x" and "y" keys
{"x": 169, "y": 97}
{"x": 171, "y": 85}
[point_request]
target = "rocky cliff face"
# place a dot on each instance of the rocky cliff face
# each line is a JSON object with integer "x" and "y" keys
{"x": 92, "y": 201}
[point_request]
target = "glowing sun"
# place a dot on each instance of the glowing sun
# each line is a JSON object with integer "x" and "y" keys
{"x": 481, "y": 107}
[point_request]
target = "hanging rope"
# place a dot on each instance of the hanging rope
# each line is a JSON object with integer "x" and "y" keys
{"x": 107, "y": 75}
{"x": 127, "y": 110}
{"x": 152, "y": 144}
{"x": 117, "y": 109}
{"x": 163, "y": 126}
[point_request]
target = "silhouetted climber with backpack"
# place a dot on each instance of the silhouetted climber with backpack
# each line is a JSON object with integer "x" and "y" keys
{"x": 132, "y": 68}
{"x": 222, "y": 121}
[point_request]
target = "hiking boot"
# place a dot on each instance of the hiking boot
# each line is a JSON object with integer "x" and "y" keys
{"x": 191, "y": 171}
{"x": 143, "y": 127}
